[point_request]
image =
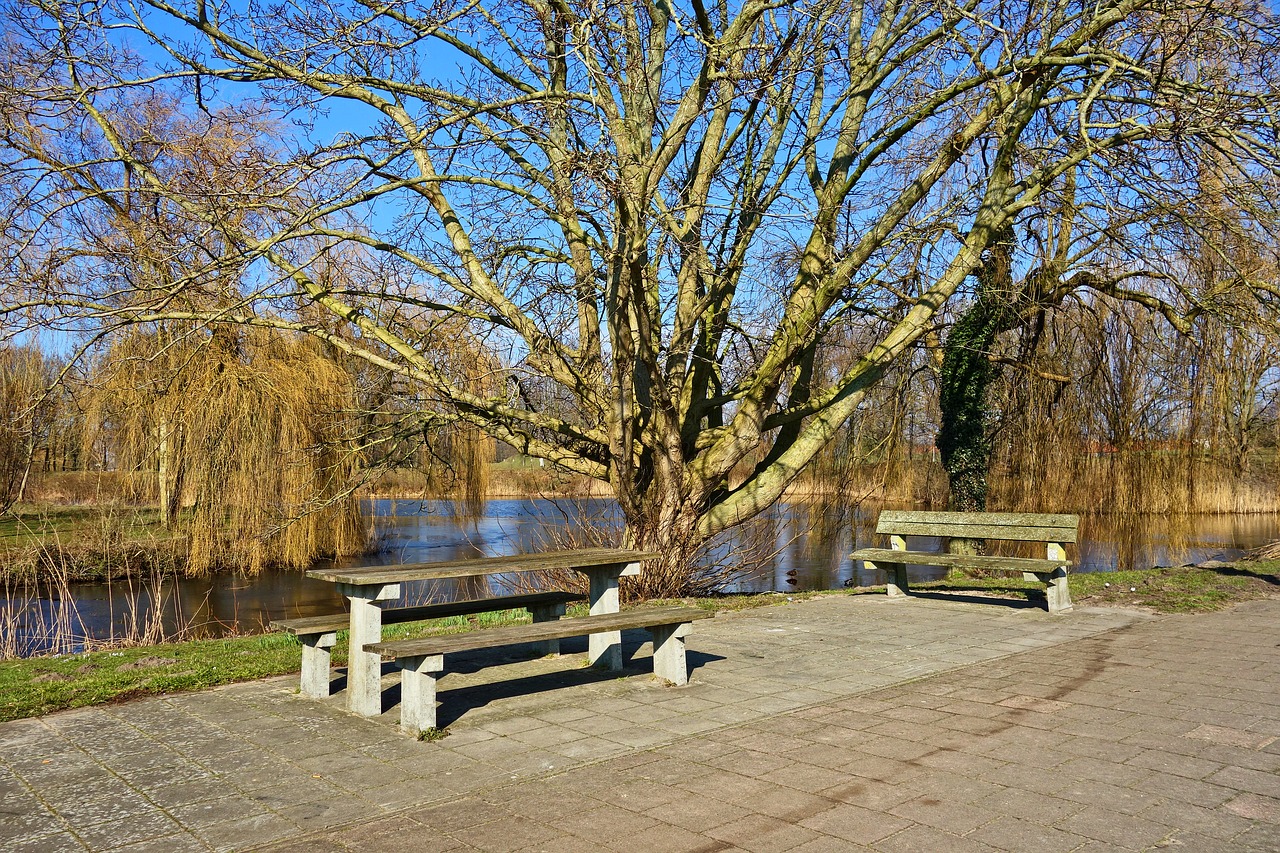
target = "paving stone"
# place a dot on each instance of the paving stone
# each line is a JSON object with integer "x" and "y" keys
{"x": 132, "y": 830}
{"x": 763, "y": 834}
{"x": 255, "y": 830}
{"x": 662, "y": 836}
{"x": 1018, "y": 836}
{"x": 1111, "y": 827}
{"x": 856, "y": 824}
{"x": 871, "y": 793}
{"x": 952, "y": 817}
{"x": 926, "y": 839}
{"x": 503, "y": 836}
{"x": 55, "y": 843}
{"x": 1255, "y": 807}
{"x": 184, "y": 842}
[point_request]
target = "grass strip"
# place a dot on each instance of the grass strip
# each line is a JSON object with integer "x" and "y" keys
{"x": 36, "y": 686}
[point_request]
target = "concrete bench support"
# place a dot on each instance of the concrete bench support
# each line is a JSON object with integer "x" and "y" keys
{"x": 668, "y": 652}
{"x": 418, "y": 692}
{"x": 547, "y": 613}
{"x": 316, "y": 663}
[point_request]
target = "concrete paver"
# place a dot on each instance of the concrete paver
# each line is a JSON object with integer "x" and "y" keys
{"x": 840, "y": 723}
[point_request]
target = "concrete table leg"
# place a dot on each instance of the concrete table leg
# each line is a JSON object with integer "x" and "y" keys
{"x": 364, "y": 669}
{"x": 547, "y": 613}
{"x": 605, "y": 648}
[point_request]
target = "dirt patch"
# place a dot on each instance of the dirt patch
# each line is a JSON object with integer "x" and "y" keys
{"x": 50, "y": 676}
{"x": 146, "y": 663}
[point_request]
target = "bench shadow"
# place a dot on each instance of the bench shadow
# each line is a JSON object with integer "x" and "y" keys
{"x": 1235, "y": 572}
{"x": 1035, "y": 601}
{"x": 456, "y": 702}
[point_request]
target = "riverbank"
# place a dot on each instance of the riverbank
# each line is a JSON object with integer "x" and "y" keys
{"x": 36, "y": 686}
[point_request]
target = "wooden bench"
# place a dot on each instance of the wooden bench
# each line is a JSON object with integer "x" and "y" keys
{"x": 422, "y": 660}
{"x": 1053, "y": 530}
{"x": 319, "y": 633}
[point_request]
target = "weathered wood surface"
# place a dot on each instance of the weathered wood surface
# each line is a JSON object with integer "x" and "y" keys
{"x": 396, "y": 615}
{"x": 935, "y": 558}
{"x": 1011, "y": 526}
{"x": 582, "y": 559}
{"x": 641, "y": 617}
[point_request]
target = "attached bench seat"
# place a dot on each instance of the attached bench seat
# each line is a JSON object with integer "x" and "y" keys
{"x": 319, "y": 633}
{"x": 422, "y": 660}
{"x": 1052, "y": 530}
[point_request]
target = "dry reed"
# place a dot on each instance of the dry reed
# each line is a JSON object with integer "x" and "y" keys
{"x": 39, "y": 611}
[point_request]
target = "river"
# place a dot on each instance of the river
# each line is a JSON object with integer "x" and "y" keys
{"x": 799, "y": 547}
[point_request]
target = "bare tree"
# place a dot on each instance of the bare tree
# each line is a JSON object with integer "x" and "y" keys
{"x": 662, "y": 211}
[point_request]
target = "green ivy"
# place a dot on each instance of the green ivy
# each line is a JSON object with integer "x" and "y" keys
{"x": 964, "y": 436}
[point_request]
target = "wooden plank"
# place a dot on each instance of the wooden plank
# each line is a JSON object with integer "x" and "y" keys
{"x": 397, "y": 615}
{"x": 573, "y": 559}
{"x": 641, "y": 617}
{"x": 1032, "y": 519}
{"x": 979, "y": 532}
{"x": 1024, "y": 527}
{"x": 933, "y": 558}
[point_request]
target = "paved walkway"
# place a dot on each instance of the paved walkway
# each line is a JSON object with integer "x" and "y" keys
{"x": 841, "y": 723}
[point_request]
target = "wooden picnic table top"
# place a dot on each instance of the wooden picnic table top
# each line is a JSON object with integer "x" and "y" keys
{"x": 583, "y": 558}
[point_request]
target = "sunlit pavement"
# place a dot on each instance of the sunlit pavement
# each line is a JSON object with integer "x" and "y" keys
{"x": 840, "y": 723}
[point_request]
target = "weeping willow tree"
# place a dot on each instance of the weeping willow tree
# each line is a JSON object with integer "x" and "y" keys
{"x": 26, "y": 410}
{"x": 252, "y": 429}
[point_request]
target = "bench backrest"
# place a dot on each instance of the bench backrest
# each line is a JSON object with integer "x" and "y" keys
{"x": 1015, "y": 526}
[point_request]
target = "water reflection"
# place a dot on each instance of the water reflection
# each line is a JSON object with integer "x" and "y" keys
{"x": 801, "y": 546}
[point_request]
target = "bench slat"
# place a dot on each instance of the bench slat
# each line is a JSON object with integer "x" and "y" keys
{"x": 641, "y": 617}
{"x": 933, "y": 558}
{"x": 391, "y": 616}
{"x": 1012, "y": 526}
{"x": 398, "y": 573}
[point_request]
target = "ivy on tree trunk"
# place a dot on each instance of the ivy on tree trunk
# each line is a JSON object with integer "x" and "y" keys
{"x": 964, "y": 436}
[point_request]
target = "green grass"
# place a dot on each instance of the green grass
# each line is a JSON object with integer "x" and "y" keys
{"x": 72, "y": 543}
{"x": 31, "y": 524}
{"x": 41, "y": 685}
{"x": 38, "y": 686}
{"x": 1180, "y": 589}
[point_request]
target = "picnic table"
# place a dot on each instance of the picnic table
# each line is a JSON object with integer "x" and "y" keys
{"x": 365, "y": 586}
